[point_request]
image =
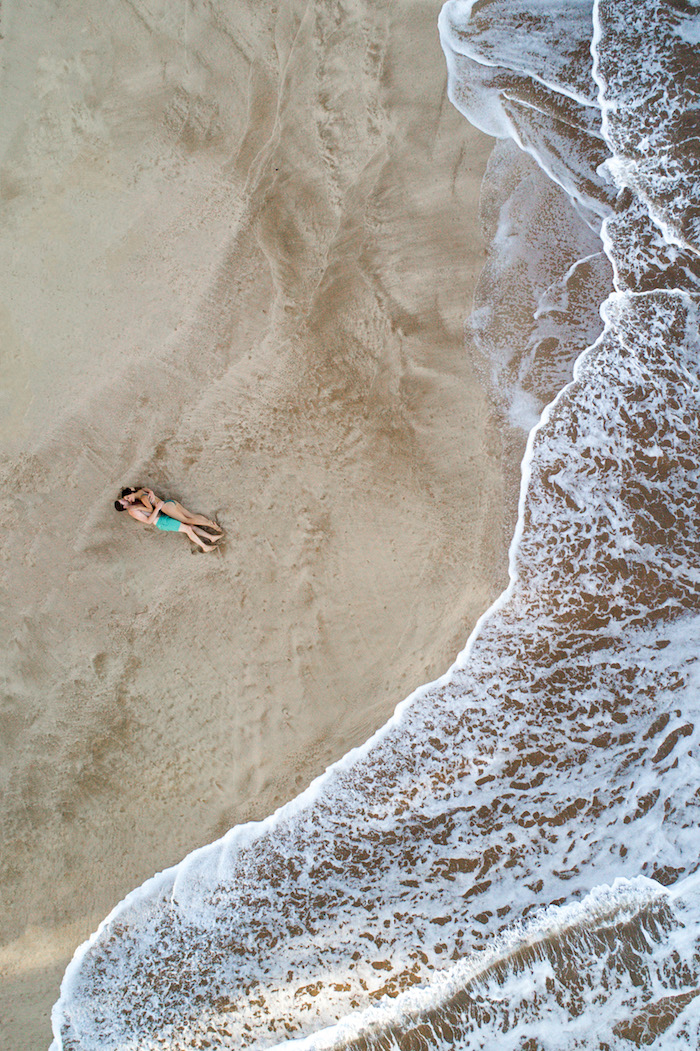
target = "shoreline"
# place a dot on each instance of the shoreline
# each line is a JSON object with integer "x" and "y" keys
{"x": 272, "y": 333}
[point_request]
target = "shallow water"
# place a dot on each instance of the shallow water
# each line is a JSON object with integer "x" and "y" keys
{"x": 511, "y": 861}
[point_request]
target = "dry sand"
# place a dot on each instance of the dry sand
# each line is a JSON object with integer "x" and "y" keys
{"x": 238, "y": 245}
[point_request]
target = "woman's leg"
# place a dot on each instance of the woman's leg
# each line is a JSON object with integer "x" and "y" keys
{"x": 184, "y": 528}
{"x": 175, "y": 510}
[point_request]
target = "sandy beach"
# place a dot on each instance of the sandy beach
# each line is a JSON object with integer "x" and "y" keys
{"x": 239, "y": 243}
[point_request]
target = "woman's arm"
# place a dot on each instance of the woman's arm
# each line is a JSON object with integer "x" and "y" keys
{"x": 148, "y": 498}
{"x": 141, "y": 514}
{"x": 156, "y": 511}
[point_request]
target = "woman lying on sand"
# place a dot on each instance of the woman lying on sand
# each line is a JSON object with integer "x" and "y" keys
{"x": 168, "y": 515}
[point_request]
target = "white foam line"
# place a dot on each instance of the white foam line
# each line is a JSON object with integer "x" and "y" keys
{"x": 604, "y": 903}
{"x": 598, "y": 78}
{"x": 445, "y": 31}
{"x": 508, "y": 128}
{"x": 526, "y": 476}
{"x": 619, "y": 168}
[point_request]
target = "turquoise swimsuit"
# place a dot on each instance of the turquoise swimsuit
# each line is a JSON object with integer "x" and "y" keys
{"x": 167, "y": 524}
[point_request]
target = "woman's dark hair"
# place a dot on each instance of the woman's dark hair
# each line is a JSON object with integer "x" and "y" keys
{"x": 118, "y": 506}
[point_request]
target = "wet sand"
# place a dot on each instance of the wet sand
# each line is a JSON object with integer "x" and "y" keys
{"x": 240, "y": 246}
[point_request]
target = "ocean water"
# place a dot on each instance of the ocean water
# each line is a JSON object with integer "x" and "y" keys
{"x": 512, "y": 862}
